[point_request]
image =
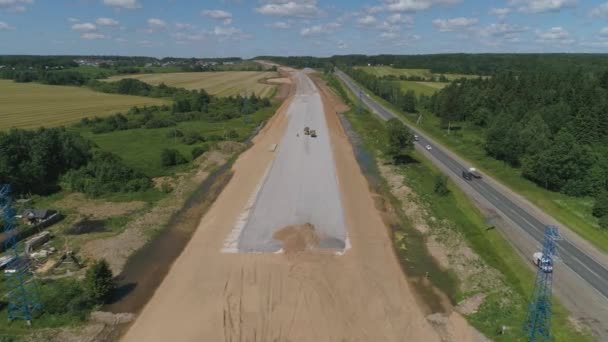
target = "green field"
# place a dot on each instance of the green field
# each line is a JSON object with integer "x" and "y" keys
{"x": 426, "y": 73}
{"x": 422, "y": 88}
{"x": 222, "y": 83}
{"x": 31, "y": 105}
{"x": 141, "y": 148}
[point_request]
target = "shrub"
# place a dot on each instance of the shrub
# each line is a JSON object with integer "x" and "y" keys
{"x": 600, "y": 208}
{"x": 441, "y": 185}
{"x": 233, "y": 134}
{"x": 65, "y": 296}
{"x": 170, "y": 157}
{"x": 99, "y": 282}
{"x": 197, "y": 151}
{"x": 604, "y": 222}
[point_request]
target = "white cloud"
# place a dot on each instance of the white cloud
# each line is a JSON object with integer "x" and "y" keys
{"x": 290, "y": 8}
{"x": 554, "y": 35}
{"x": 156, "y": 24}
{"x": 92, "y": 35}
{"x": 501, "y": 13}
{"x": 454, "y": 24}
{"x": 121, "y": 40}
{"x": 106, "y": 22}
{"x": 127, "y": 4}
{"x": 600, "y": 11}
{"x": 224, "y": 16}
{"x": 410, "y": 5}
{"x": 184, "y": 26}
{"x": 317, "y": 30}
{"x": 367, "y": 20}
{"x": 15, "y": 5}
{"x": 540, "y": 6}
{"x": 604, "y": 32}
{"x": 182, "y": 37}
{"x": 72, "y": 20}
{"x": 280, "y": 25}
{"x": 502, "y": 30}
{"x": 399, "y": 18}
{"x": 84, "y": 27}
{"x": 229, "y": 32}
{"x": 4, "y": 26}
{"x": 342, "y": 44}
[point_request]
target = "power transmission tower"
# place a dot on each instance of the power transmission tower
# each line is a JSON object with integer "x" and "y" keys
{"x": 22, "y": 290}
{"x": 538, "y": 320}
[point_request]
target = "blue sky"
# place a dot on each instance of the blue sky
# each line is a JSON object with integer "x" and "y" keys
{"x": 246, "y": 28}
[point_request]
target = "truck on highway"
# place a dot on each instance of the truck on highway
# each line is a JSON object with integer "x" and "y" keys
{"x": 470, "y": 173}
{"x": 313, "y": 133}
{"x": 542, "y": 262}
{"x": 306, "y": 130}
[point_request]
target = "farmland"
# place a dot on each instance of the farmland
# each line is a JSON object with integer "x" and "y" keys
{"x": 222, "y": 83}
{"x": 426, "y": 73}
{"x": 31, "y": 105}
{"x": 422, "y": 88}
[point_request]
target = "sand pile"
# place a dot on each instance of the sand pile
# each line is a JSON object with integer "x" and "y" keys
{"x": 297, "y": 238}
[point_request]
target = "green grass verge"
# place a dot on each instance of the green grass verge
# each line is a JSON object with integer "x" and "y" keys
{"x": 499, "y": 308}
{"x": 467, "y": 143}
{"x": 421, "y": 88}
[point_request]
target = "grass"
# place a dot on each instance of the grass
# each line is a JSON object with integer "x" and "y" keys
{"x": 141, "y": 148}
{"x": 422, "y": 88}
{"x": 467, "y": 143}
{"x": 426, "y": 73}
{"x": 221, "y": 83}
{"x": 501, "y": 307}
{"x": 31, "y": 105}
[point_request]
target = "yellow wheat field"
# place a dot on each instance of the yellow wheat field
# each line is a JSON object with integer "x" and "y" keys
{"x": 31, "y": 105}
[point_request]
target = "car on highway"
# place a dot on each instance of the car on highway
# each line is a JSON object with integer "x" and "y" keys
{"x": 543, "y": 262}
{"x": 416, "y": 138}
{"x": 428, "y": 147}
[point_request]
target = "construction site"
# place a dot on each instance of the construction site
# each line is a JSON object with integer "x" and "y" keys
{"x": 294, "y": 238}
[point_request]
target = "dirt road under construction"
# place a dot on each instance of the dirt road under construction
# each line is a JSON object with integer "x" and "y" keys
{"x": 218, "y": 290}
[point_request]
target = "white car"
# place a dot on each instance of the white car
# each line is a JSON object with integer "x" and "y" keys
{"x": 428, "y": 147}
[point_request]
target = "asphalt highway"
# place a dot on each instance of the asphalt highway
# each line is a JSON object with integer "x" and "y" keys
{"x": 571, "y": 255}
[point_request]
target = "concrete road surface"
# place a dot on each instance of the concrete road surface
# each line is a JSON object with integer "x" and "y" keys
{"x": 301, "y": 186}
{"x": 581, "y": 278}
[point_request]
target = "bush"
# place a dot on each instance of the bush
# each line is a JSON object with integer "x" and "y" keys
{"x": 65, "y": 296}
{"x": 233, "y": 134}
{"x": 106, "y": 173}
{"x": 600, "y": 208}
{"x": 171, "y": 157}
{"x": 197, "y": 151}
{"x": 99, "y": 282}
{"x": 604, "y": 222}
{"x": 441, "y": 185}
{"x": 191, "y": 138}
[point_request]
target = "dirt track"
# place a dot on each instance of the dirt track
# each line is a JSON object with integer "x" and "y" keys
{"x": 359, "y": 296}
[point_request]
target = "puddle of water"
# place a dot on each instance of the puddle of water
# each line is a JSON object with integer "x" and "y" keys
{"x": 146, "y": 269}
{"x": 86, "y": 227}
{"x": 432, "y": 284}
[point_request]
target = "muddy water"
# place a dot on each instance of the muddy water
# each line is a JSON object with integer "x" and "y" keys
{"x": 146, "y": 269}
{"x": 438, "y": 289}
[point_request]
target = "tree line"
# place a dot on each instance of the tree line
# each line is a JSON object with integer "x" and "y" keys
{"x": 40, "y": 161}
{"x": 386, "y": 88}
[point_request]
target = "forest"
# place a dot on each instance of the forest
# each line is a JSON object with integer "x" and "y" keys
{"x": 550, "y": 122}
{"x": 474, "y": 64}
{"x": 552, "y": 125}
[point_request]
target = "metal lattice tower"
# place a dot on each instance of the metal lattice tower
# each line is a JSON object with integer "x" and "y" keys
{"x": 22, "y": 291}
{"x": 538, "y": 320}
